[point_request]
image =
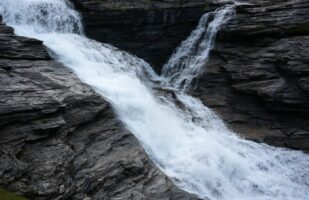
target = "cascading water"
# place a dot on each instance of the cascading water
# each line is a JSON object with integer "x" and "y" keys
{"x": 190, "y": 144}
{"x": 186, "y": 63}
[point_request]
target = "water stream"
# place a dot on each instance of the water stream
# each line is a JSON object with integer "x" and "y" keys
{"x": 189, "y": 142}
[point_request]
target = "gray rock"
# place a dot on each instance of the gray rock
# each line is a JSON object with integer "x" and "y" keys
{"x": 60, "y": 140}
{"x": 257, "y": 76}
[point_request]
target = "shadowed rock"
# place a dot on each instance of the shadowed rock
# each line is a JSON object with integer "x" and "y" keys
{"x": 150, "y": 29}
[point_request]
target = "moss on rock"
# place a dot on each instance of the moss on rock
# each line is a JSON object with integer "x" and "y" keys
{"x": 7, "y": 195}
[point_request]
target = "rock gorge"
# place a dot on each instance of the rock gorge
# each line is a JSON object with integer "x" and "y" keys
{"x": 58, "y": 136}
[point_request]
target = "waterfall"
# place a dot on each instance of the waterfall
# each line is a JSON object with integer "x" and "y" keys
{"x": 190, "y": 57}
{"x": 188, "y": 142}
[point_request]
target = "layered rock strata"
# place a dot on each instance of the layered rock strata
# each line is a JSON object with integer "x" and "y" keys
{"x": 257, "y": 76}
{"x": 61, "y": 140}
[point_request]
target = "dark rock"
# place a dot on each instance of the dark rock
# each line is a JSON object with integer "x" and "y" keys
{"x": 268, "y": 19}
{"x": 304, "y": 83}
{"x": 60, "y": 140}
{"x": 150, "y": 29}
{"x": 257, "y": 76}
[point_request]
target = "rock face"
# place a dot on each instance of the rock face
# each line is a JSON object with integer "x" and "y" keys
{"x": 257, "y": 78}
{"x": 60, "y": 140}
{"x": 150, "y": 29}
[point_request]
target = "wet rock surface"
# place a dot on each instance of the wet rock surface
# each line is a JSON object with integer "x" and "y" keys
{"x": 257, "y": 76}
{"x": 60, "y": 140}
{"x": 150, "y": 29}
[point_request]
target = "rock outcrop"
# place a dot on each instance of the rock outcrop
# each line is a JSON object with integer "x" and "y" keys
{"x": 257, "y": 78}
{"x": 60, "y": 140}
{"x": 150, "y": 29}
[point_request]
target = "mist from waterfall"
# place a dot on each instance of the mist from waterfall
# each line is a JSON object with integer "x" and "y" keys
{"x": 189, "y": 143}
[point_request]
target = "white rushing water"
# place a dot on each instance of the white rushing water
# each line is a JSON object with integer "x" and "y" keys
{"x": 189, "y": 142}
{"x": 190, "y": 57}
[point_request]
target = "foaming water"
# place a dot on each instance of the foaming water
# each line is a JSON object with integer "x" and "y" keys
{"x": 185, "y": 139}
{"x": 42, "y": 16}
